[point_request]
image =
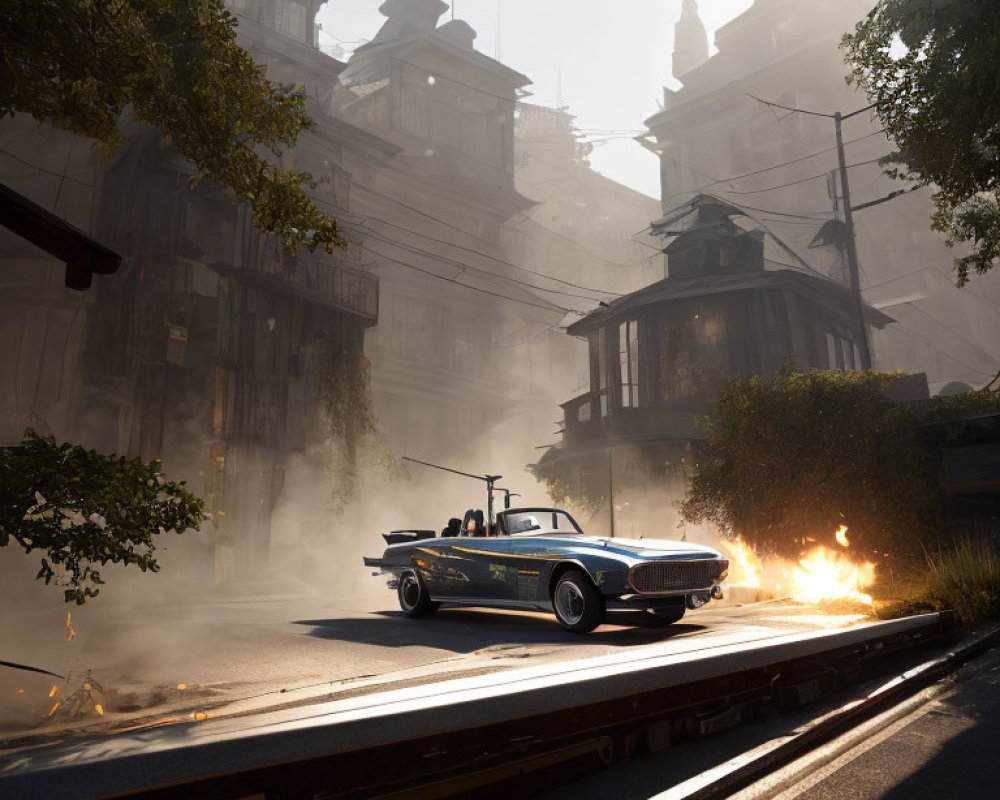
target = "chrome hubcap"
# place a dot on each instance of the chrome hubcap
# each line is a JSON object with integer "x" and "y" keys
{"x": 570, "y": 602}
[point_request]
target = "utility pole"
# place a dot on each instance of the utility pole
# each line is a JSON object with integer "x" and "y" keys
{"x": 853, "y": 266}
{"x": 852, "y": 247}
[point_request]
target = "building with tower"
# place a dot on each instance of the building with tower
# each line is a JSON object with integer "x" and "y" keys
{"x": 717, "y": 135}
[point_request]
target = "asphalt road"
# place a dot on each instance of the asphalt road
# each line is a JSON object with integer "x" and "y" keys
{"x": 943, "y": 741}
{"x": 151, "y": 661}
{"x": 947, "y": 746}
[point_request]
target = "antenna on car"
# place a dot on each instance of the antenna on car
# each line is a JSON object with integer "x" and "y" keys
{"x": 489, "y": 479}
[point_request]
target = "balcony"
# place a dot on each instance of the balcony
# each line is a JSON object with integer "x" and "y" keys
{"x": 348, "y": 289}
{"x": 596, "y": 415}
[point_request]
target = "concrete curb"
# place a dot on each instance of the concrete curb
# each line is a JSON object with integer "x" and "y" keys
{"x": 562, "y": 697}
{"x": 740, "y": 774}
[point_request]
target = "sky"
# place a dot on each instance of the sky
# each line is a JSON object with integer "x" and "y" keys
{"x": 606, "y": 60}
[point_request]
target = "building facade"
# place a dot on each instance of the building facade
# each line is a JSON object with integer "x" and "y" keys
{"x": 717, "y": 134}
{"x": 657, "y": 356}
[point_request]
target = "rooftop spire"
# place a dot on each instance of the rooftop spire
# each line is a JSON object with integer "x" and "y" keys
{"x": 690, "y": 40}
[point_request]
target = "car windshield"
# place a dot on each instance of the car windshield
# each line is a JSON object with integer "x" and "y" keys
{"x": 540, "y": 520}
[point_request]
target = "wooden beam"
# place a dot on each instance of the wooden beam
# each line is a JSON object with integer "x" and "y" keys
{"x": 82, "y": 255}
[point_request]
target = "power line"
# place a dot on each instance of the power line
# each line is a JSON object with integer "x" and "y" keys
{"x": 548, "y": 307}
{"x": 810, "y": 113}
{"x": 63, "y": 175}
{"x": 468, "y": 267}
{"x": 772, "y": 167}
{"x": 902, "y": 328}
{"x": 457, "y": 246}
{"x": 800, "y": 180}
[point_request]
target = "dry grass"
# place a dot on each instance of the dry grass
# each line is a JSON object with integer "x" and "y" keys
{"x": 966, "y": 577}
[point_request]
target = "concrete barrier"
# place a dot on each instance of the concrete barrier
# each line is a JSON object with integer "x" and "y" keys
{"x": 458, "y": 735}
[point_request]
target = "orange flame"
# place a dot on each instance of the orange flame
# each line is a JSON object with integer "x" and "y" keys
{"x": 69, "y": 627}
{"x": 55, "y": 691}
{"x": 53, "y": 709}
{"x": 744, "y": 566}
{"x": 199, "y": 716}
{"x": 841, "y": 536}
{"x": 99, "y": 709}
{"x": 824, "y": 575}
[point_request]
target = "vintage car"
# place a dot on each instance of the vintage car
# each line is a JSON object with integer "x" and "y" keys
{"x": 539, "y": 559}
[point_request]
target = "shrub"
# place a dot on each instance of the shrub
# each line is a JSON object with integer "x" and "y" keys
{"x": 966, "y": 577}
{"x": 792, "y": 456}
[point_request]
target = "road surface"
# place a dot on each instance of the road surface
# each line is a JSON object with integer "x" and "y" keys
{"x": 219, "y": 654}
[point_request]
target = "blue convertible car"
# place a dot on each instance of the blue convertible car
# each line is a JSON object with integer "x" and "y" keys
{"x": 540, "y": 559}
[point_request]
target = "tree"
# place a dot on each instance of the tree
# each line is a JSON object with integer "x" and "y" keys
{"x": 939, "y": 102}
{"x": 83, "y": 509}
{"x": 80, "y": 64}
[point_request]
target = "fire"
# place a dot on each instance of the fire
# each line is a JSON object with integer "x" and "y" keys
{"x": 99, "y": 709}
{"x": 69, "y": 627}
{"x": 841, "y": 536}
{"x": 55, "y": 691}
{"x": 744, "y": 566}
{"x": 823, "y": 575}
{"x": 199, "y": 716}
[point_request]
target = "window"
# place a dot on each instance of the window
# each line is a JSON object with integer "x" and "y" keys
{"x": 628, "y": 363}
{"x": 602, "y": 368}
{"x": 841, "y": 351}
{"x": 693, "y": 353}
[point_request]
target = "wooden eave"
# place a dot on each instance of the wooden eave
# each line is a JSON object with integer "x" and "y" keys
{"x": 82, "y": 255}
{"x": 822, "y": 290}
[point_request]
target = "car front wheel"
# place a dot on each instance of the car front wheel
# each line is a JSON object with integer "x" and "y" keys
{"x": 414, "y": 599}
{"x": 578, "y": 605}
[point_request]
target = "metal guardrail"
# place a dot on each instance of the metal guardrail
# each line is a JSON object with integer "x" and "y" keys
{"x": 495, "y": 734}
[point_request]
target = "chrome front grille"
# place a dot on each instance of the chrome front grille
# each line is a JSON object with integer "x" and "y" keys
{"x": 676, "y": 576}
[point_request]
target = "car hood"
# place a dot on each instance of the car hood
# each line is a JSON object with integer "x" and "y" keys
{"x": 649, "y": 548}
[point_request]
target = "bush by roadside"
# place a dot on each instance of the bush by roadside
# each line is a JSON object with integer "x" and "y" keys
{"x": 794, "y": 455}
{"x": 966, "y": 577}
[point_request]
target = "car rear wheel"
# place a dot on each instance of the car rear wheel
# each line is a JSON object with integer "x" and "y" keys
{"x": 414, "y": 599}
{"x": 578, "y": 605}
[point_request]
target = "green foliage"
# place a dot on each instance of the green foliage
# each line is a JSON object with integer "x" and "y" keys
{"x": 342, "y": 389}
{"x": 80, "y": 64}
{"x": 562, "y": 494}
{"x": 792, "y": 456}
{"x": 939, "y": 103}
{"x": 967, "y": 578}
{"x": 84, "y": 509}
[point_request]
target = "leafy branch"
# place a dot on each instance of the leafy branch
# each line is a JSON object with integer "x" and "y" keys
{"x": 82, "y": 510}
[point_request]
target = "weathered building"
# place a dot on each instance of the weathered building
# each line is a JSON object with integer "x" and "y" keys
{"x": 468, "y": 243}
{"x": 716, "y": 135}
{"x": 480, "y": 253}
{"x": 43, "y": 321}
{"x": 212, "y": 347}
{"x": 657, "y": 355}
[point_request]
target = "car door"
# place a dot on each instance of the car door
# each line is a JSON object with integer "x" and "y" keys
{"x": 480, "y": 568}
